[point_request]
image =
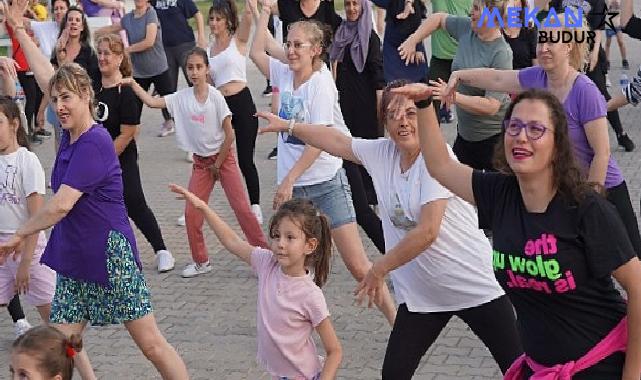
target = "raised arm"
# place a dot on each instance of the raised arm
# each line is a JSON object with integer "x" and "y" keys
{"x": 8, "y": 76}
{"x": 626, "y": 12}
{"x": 484, "y": 78}
{"x": 230, "y": 240}
{"x": 435, "y": 21}
{"x": 330, "y": 140}
{"x": 108, "y": 29}
{"x": 258, "y": 52}
{"x": 200, "y": 28}
{"x": 143, "y": 95}
{"x": 39, "y": 64}
{"x": 244, "y": 28}
{"x": 450, "y": 173}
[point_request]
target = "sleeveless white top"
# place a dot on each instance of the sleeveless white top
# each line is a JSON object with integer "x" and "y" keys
{"x": 228, "y": 65}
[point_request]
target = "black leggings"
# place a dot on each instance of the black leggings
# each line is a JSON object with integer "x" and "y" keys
{"x": 413, "y": 334}
{"x": 439, "y": 68}
{"x": 359, "y": 180}
{"x": 33, "y": 97}
{"x": 598, "y": 77}
{"x": 620, "y": 198}
{"x": 245, "y": 126}
{"x": 135, "y": 201}
{"x": 15, "y": 309}
{"x": 162, "y": 85}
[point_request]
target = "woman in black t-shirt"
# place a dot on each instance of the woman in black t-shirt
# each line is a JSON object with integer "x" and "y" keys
{"x": 522, "y": 40}
{"x": 121, "y": 119}
{"x": 556, "y": 243}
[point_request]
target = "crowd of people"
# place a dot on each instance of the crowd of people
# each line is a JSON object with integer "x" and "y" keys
{"x": 522, "y": 228}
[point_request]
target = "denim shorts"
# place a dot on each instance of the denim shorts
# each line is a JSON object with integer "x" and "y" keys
{"x": 53, "y": 120}
{"x": 333, "y": 198}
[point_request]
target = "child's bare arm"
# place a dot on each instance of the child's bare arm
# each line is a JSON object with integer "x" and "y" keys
{"x": 146, "y": 98}
{"x": 333, "y": 348}
{"x": 232, "y": 242}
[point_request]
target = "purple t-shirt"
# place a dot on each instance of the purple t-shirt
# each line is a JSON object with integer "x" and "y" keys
{"x": 583, "y": 104}
{"x": 77, "y": 247}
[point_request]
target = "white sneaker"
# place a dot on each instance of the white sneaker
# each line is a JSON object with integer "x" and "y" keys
{"x": 181, "y": 221}
{"x": 21, "y": 327}
{"x": 189, "y": 157}
{"x": 193, "y": 269}
{"x": 258, "y": 212}
{"x": 167, "y": 128}
{"x": 164, "y": 261}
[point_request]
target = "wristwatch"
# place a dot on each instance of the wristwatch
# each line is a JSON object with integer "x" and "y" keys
{"x": 290, "y": 127}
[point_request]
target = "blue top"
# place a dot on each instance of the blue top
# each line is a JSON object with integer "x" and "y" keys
{"x": 77, "y": 247}
{"x": 396, "y": 32}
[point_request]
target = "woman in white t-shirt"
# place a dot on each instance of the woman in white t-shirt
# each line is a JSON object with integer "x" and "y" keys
{"x": 22, "y": 189}
{"x": 308, "y": 95}
{"x": 439, "y": 261}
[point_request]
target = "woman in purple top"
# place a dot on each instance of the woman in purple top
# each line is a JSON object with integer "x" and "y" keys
{"x": 92, "y": 246}
{"x": 559, "y": 71}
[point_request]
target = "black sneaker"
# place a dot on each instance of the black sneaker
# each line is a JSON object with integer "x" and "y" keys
{"x": 35, "y": 139}
{"x": 267, "y": 91}
{"x": 625, "y": 142}
{"x": 625, "y": 64}
{"x": 607, "y": 66}
{"x": 273, "y": 154}
{"x": 43, "y": 132}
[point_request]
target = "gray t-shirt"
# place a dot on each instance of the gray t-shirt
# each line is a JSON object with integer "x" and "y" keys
{"x": 152, "y": 61}
{"x": 474, "y": 53}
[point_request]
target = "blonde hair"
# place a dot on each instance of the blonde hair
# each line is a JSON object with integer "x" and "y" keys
{"x": 578, "y": 55}
{"x": 117, "y": 47}
{"x": 74, "y": 78}
{"x": 317, "y": 34}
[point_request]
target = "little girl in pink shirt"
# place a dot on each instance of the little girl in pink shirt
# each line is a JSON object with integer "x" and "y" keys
{"x": 290, "y": 301}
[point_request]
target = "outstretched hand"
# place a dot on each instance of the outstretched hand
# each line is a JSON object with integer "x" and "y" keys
{"x": 275, "y": 123}
{"x": 414, "y": 91}
{"x": 127, "y": 81}
{"x": 14, "y": 12}
{"x": 371, "y": 286}
{"x": 408, "y": 10}
{"x": 8, "y": 67}
{"x": 187, "y": 195}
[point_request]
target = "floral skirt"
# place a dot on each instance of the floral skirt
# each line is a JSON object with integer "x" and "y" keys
{"x": 126, "y": 298}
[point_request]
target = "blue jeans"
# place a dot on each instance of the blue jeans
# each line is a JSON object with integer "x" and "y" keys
{"x": 333, "y": 198}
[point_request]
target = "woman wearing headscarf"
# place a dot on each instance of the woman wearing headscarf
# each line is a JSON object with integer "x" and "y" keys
{"x": 356, "y": 56}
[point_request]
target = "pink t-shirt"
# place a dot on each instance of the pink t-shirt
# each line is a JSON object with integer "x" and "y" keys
{"x": 289, "y": 308}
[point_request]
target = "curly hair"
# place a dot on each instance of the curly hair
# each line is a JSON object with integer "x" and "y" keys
{"x": 568, "y": 178}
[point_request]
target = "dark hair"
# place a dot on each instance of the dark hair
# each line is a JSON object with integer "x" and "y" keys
{"x": 202, "y": 53}
{"x": 568, "y": 179}
{"x": 315, "y": 226}
{"x": 388, "y": 96}
{"x": 117, "y": 47}
{"x": 227, "y": 9}
{"x": 53, "y": 3}
{"x": 85, "y": 35}
{"x": 11, "y": 110}
{"x": 52, "y": 350}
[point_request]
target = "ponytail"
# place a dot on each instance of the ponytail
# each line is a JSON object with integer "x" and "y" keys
{"x": 323, "y": 252}
{"x": 14, "y": 114}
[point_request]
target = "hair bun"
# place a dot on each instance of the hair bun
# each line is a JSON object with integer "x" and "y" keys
{"x": 75, "y": 342}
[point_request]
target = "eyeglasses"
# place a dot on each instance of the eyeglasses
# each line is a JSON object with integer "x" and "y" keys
{"x": 533, "y": 129}
{"x": 297, "y": 45}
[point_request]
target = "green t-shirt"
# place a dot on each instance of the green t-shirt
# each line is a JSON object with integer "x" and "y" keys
{"x": 443, "y": 45}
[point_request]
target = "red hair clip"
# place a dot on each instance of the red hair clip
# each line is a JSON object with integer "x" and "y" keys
{"x": 70, "y": 351}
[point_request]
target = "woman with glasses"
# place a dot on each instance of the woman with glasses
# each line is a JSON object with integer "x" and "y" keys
{"x": 559, "y": 71}
{"x": 557, "y": 244}
{"x": 308, "y": 94}
{"x": 439, "y": 261}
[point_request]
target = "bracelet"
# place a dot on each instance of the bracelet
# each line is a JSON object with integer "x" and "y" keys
{"x": 19, "y": 27}
{"x": 290, "y": 127}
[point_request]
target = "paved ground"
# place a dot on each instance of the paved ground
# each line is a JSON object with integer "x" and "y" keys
{"x": 211, "y": 319}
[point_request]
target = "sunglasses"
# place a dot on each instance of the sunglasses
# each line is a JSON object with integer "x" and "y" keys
{"x": 533, "y": 130}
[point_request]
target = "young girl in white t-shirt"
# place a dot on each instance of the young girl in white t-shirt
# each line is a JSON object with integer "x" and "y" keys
{"x": 290, "y": 302}
{"x": 203, "y": 126}
{"x": 22, "y": 186}
{"x": 308, "y": 95}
